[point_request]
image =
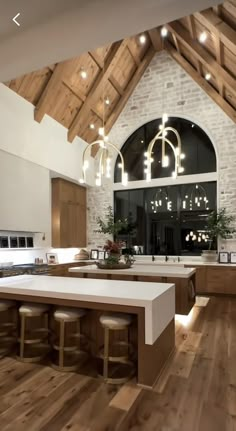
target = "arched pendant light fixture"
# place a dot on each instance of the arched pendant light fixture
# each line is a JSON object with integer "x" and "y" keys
{"x": 175, "y": 146}
{"x": 106, "y": 150}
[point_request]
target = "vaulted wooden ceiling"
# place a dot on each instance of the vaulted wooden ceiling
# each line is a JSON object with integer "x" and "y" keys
{"x": 113, "y": 72}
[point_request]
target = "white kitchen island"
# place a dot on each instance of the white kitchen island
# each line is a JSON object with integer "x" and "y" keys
{"x": 183, "y": 278}
{"x": 153, "y": 309}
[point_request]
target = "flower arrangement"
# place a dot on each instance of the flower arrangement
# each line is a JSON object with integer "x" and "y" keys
{"x": 113, "y": 247}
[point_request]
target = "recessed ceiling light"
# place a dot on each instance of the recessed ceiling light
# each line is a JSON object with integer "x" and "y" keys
{"x": 107, "y": 101}
{"x": 142, "y": 38}
{"x": 164, "y": 32}
{"x": 203, "y": 37}
{"x": 91, "y": 126}
{"x": 208, "y": 76}
{"x": 83, "y": 73}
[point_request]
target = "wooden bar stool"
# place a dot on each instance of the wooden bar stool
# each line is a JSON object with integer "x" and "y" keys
{"x": 33, "y": 342}
{"x": 116, "y": 322}
{"x": 66, "y": 352}
{"x": 7, "y": 327}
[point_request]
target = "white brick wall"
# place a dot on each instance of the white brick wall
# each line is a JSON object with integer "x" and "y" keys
{"x": 165, "y": 80}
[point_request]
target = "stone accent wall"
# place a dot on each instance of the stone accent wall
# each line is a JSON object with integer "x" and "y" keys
{"x": 166, "y": 87}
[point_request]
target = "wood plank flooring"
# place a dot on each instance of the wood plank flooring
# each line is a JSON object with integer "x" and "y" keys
{"x": 196, "y": 392}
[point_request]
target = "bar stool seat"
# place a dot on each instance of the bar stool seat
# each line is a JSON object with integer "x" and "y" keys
{"x": 116, "y": 322}
{"x": 7, "y": 327}
{"x": 69, "y": 314}
{"x": 33, "y": 309}
{"x": 5, "y": 304}
{"x": 68, "y": 352}
{"x": 113, "y": 321}
{"x": 33, "y": 339}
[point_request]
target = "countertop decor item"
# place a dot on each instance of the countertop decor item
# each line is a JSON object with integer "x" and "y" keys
{"x": 82, "y": 255}
{"x": 52, "y": 258}
{"x": 106, "y": 264}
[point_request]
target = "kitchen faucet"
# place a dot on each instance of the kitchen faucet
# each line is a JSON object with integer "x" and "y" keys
{"x": 153, "y": 258}
{"x": 166, "y": 258}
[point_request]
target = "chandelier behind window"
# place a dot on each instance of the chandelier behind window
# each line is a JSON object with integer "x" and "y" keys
{"x": 161, "y": 200}
{"x": 196, "y": 198}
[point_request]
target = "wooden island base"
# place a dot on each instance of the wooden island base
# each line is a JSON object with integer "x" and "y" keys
{"x": 150, "y": 358}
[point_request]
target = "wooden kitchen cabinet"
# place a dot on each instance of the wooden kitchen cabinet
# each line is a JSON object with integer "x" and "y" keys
{"x": 200, "y": 278}
{"x": 68, "y": 214}
{"x": 61, "y": 269}
{"x": 215, "y": 279}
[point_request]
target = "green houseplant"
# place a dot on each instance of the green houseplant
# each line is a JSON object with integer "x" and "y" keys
{"x": 219, "y": 225}
{"x": 109, "y": 226}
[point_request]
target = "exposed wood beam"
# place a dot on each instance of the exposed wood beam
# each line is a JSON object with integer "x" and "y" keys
{"x": 199, "y": 52}
{"x": 225, "y": 106}
{"x": 129, "y": 89}
{"x": 74, "y": 90}
{"x": 133, "y": 54}
{"x": 219, "y": 28}
{"x": 230, "y": 6}
{"x": 99, "y": 62}
{"x": 80, "y": 121}
{"x": 176, "y": 43}
{"x": 192, "y": 29}
{"x": 156, "y": 39}
{"x": 47, "y": 101}
{"x": 217, "y": 9}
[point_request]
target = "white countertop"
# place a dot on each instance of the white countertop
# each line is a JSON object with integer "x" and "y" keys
{"x": 182, "y": 263}
{"x": 140, "y": 270}
{"x": 158, "y": 299}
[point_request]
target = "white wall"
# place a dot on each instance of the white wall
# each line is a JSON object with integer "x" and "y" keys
{"x": 25, "y": 192}
{"x": 42, "y": 143}
{"x": 30, "y": 153}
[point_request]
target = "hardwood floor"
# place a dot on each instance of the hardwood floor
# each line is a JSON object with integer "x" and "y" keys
{"x": 196, "y": 392}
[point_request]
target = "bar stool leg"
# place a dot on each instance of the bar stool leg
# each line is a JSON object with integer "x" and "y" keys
{"x": 106, "y": 353}
{"x": 61, "y": 343}
{"x": 22, "y": 336}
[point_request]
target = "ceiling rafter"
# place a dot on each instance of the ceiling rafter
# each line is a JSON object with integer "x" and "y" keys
{"x": 156, "y": 39}
{"x": 192, "y": 29}
{"x": 79, "y": 124}
{"x": 60, "y": 90}
{"x": 99, "y": 62}
{"x": 205, "y": 85}
{"x": 202, "y": 55}
{"x": 62, "y": 70}
{"x": 129, "y": 90}
{"x": 218, "y": 27}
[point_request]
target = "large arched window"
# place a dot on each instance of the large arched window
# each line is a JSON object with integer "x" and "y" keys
{"x": 196, "y": 145}
{"x": 167, "y": 218}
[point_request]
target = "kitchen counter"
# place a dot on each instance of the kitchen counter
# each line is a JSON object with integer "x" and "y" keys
{"x": 157, "y": 299}
{"x": 152, "y": 305}
{"x": 138, "y": 270}
{"x": 183, "y": 278}
{"x": 183, "y": 263}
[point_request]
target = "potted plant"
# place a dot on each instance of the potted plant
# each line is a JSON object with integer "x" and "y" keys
{"x": 114, "y": 251}
{"x": 219, "y": 225}
{"x": 109, "y": 225}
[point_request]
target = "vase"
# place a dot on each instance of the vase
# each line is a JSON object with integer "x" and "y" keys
{"x": 209, "y": 255}
{"x": 115, "y": 256}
